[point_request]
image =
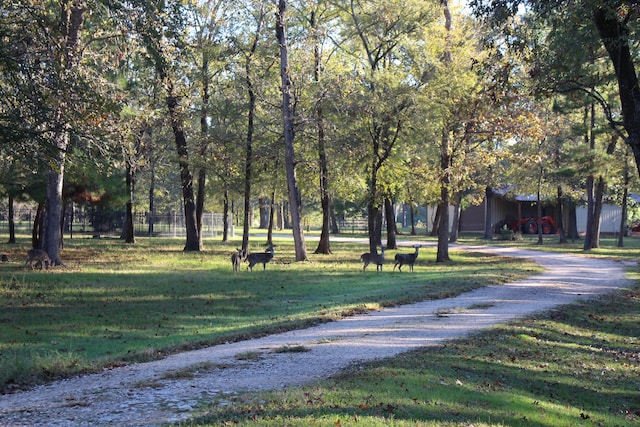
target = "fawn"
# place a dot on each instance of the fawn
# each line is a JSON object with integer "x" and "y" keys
{"x": 402, "y": 259}
{"x": 38, "y": 256}
{"x": 236, "y": 259}
{"x": 261, "y": 258}
{"x": 378, "y": 259}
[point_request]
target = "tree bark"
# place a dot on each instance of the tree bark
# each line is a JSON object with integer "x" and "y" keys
{"x": 560, "y": 218}
{"x": 324, "y": 246}
{"x": 186, "y": 178}
{"x": 391, "y": 224}
{"x": 225, "y": 215}
{"x": 251, "y": 113}
{"x": 625, "y": 200}
{"x": 72, "y": 21}
{"x": 453, "y": 237}
{"x": 129, "y": 235}
{"x": 12, "y": 221}
{"x": 295, "y": 202}
{"x": 152, "y": 188}
{"x": 488, "y": 219}
{"x": 443, "y": 225}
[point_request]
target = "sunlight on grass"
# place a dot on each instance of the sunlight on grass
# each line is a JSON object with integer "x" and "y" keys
{"x": 533, "y": 371}
{"x": 111, "y": 302}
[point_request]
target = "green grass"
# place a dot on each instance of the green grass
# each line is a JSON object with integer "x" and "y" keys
{"x": 115, "y": 303}
{"x": 576, "y": 366}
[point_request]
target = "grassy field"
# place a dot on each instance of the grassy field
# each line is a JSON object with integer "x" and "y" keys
{"x": 578, "y": 366}
{"x": 114, "y": 303}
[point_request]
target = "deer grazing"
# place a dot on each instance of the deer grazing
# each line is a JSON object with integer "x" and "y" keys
{"x": 236, "y": 259}
{"x": 38, "y": 256}
{"x": 409, "y": 259}
{"x": 261, "y": 258}
{"x": 378, "y": 259}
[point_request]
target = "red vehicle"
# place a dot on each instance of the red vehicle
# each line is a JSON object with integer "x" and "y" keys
{"x": 530, "y": 225}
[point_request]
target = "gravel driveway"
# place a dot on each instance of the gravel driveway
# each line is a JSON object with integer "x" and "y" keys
{"x": 149, "y": 394}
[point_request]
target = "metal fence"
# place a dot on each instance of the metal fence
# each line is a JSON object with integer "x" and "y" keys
{"x": 110, "y": 223}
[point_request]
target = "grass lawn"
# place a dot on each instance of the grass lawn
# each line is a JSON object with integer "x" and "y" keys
{"x": 576, "y": 366}
{"x": 115, "y": 303}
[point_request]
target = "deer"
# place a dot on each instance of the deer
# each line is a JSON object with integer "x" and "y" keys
{"x": 402, "y": 259}
{"x": 38, "y": 256}
{"x": 378, "y": 259}
{"x": 261, "y": 258}
{"x": 236, "y": 259}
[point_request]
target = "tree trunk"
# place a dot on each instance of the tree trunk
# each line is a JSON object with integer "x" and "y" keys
{"x": 204, "y": 146}
{"x": 186, "y": 178}
{"x": 51, "y": 235}
{"x": 539, "y": 208}
{"x": 71, "y": 24}
{"x": 488, "y": 217}
{"x": 129, "y": 235}
{"x": 443, "y": 225}
{"x": 456, "y": 218}
{"x": 152, "y": 188}
{"x": 560, "y": 216}
{"x": 12, "y": 221}
{"x": 37, "y": 231}
{"x": 225, "y": 216}
{"x": 412, "y": 215}
{"x": 445, "y": 155}
{"x": 391, "y": 224}
{"x": 625, "y": 199}
{"x": 597, "y": 212}
{"x": 436, "y": 221}
{"x": 324, "y": 246}
{"x": 263, "y": 208}
{"x": 295, "y": 202}
{"x": 251, "y": 113}
{"x": 270, "y": 224}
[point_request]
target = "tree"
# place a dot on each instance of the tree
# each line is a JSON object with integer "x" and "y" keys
{"x": 59, "y": 96}
{"x": 613, "y": 23}
{"x": 383, "y": 32}
{"x": 295, "y": 203}
{"x": 161, "y": 28}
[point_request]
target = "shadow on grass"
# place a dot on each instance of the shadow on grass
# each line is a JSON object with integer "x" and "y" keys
{"x": 577, "y": 366}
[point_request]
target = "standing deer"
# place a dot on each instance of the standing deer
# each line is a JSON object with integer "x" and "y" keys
{"x": 38, "y": 256}
{"x": 236, "y": 259}
{"x": 402, "y": 259}
{"x": 261, "y": 258}
{"x": 378, "y": 259}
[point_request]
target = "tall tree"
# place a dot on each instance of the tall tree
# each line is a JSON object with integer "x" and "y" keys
{"x": 324, "y": 246}
{"x": 295, "y": 202}
{"x": 161, "y": 27}
{"x": 56, "y": 91}
{"x": 382, "y": 32}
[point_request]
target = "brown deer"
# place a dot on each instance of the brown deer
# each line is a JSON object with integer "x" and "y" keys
{"x": 236, "y": 259}
{"x": 378, "y": 259}
{"x": 261, "y": 258}
{"x": 409, "y": 259}
{"x": 38, "y": 256}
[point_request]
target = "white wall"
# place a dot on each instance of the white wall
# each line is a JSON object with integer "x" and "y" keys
{"x": 609, "y": 220}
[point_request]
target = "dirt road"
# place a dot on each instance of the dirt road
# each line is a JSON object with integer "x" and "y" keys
{"x": 169, "y": 390}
